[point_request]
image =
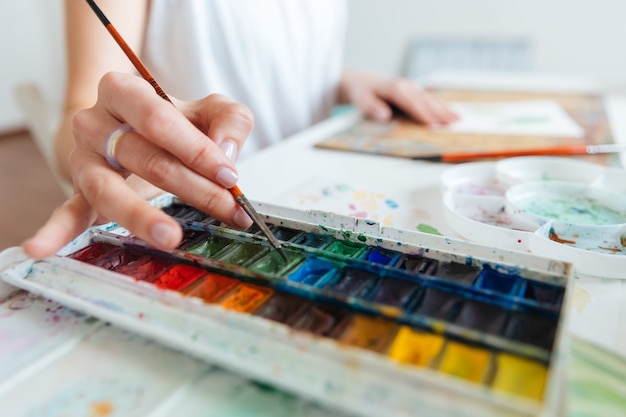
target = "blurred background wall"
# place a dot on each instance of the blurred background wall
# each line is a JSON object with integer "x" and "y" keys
{"x": 579, "y": 37}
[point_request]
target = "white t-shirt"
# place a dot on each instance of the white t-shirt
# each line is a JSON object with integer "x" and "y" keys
{"x": 282, "y": 58}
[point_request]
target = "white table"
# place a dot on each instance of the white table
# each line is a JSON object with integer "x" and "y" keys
{"x": 53, "y": 362}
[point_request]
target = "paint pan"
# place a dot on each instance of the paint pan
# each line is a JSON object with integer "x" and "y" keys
{"x": 419, "y": 264}
{"x": 464, "y": 274}
{"x": 208, "y": 245}
{"x": 438, "y": 303}
{"x": 246, "y": 298}
{"x": 352, "y": 282}
{"x": 532, "y": 329}
{"x": 520, "y": 376}
{"x": 346, "y": 248}
{"x": 192, "y": 237}
{"x": 381, "y": 256}
{"x": 314, "y": 240}
{"x": 320, "y": 320}
{"x": 467, "y": 362}
{"x": 93, "y": 252}
{"x": 285, "y": 234}
{"x": 355, "y": 303}
{"x": 178, "y": 277}
{"x": 416, "y": 347}
{"x": 239, "y": 253}
{"x": 187, "y": 212}
{"x": 550, "y": 295}
{"x": 272, "y": 262}
{"x": 491, "y": 280}
{"x": 369, "y": 333}
{"x": 395, "y": 292}
{"x": 283, "y": 308}
{"x": 146, "y": 268}
{"x": 485, "y": 317}
{"x": 212, "y": 287}
{"x": 314, "y": 271}
{"x": 116, "y": 258}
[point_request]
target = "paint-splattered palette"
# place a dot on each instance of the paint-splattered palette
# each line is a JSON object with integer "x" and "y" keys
{"x": 371, "y": 320}
{"x": 562, "y": 208}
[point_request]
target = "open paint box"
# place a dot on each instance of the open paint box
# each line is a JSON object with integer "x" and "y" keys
{"x": 562, "y": 208}
{"x": 370, "y": 320}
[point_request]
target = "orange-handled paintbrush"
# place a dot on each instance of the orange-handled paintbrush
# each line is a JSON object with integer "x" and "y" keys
{"x": 544, "y": 151}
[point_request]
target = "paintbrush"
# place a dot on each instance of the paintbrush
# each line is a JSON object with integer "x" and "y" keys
{"x": 143, "y": 71}
{"x": 545, "y": 151}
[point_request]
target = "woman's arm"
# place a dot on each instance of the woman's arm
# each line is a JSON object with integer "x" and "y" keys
{"x": 187, "y": 149}
{"x": 92, "y": 52}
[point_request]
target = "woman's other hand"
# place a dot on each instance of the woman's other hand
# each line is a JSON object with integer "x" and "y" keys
{"x": 376, "y": 97}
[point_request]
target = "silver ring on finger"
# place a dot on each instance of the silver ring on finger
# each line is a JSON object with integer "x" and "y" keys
{"x": 110, "y": 145}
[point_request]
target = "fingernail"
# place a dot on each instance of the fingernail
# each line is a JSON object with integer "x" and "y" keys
{"x": 226, "y": 177}
{"x": 163, "y": 234}
{"x": 381, "y": 114}
{"x": 241, "y": 219}
{"x": 229, "y": 147}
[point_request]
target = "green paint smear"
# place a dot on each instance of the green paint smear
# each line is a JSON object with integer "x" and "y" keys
{"x": 596, "y": 382}
{"x": 343, "y": 187}
{"x": 235, "y": 397}
{"x": 426, "y": 228}
{"x": 581, "y": 210}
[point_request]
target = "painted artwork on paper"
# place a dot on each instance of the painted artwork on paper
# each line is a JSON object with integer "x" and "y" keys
{"x": 516, "y": 118}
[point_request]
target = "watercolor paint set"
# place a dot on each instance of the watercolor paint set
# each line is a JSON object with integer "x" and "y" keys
{"x": 368, "y": 319}
{"x": 562, "y": 208}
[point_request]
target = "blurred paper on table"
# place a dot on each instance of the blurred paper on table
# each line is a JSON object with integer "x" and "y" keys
{"x": 532, "y": 117}
{"x": 492, "y": 121}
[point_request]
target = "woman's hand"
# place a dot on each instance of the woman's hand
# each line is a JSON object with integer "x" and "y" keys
{"x": 375, "y": 96}
{"x": 187, "y": 150}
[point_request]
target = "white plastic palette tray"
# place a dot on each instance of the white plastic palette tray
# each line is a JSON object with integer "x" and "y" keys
{"x": 566, "y": 209}
{"x": 355, "y": 380}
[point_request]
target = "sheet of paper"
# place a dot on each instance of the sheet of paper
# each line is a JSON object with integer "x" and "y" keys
{"x": 528, "y": 117}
